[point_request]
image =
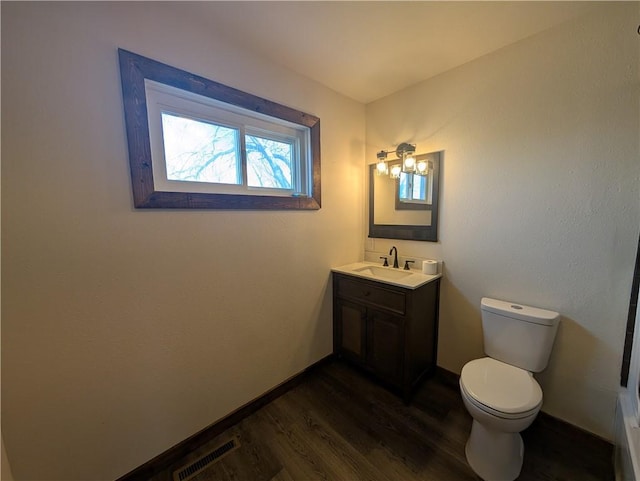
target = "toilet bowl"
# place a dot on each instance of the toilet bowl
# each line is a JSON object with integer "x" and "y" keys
{"x": 503, "y": 400}
{"x": 499, "y": 391}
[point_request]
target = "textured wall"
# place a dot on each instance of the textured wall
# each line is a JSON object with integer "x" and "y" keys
{"x": 7, "y": 475}
{"x": 540, "y": 199}
{"x": 124, "y": 331}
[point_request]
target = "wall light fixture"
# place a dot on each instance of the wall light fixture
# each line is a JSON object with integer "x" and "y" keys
{"x": 406, "y": 153}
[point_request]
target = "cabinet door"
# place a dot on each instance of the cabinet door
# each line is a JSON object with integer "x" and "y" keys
{"x": 385, "y": 345}
{"x": 351, "y": 330}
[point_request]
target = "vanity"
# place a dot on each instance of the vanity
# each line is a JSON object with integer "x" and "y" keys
{"x": 385, "y": 321}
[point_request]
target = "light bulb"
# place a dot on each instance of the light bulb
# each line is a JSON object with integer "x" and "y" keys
{"x": 409, "y": 163}
{"x": 422, "y": 167}
{"x": 395, "y": 171}
{"x": 382, "y": 168}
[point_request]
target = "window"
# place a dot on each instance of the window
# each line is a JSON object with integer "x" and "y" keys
{"x": 222, "y": 148}
{"x": 416, "y": 191}
{"x": 413, "y": 188}
{"x": 194, "y": 143}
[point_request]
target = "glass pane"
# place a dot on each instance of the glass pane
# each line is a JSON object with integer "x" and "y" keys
{"x": 419, "y": 187}
{"x": 412, "y": 188}
{"x": 269, "y": 163}
{"x": 198, "y": 151}
{"x": 404, "y": 189}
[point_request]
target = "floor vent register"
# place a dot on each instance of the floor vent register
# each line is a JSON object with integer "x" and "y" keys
{"x": 189, "y": 471}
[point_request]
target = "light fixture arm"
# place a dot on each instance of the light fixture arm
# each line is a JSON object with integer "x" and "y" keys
{"x": 403, "y": 148}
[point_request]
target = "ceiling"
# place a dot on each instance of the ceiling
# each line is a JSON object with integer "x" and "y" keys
{"x": 368, "y": 50}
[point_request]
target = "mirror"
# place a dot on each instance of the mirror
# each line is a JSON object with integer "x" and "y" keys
{"x": 405, "y": 208}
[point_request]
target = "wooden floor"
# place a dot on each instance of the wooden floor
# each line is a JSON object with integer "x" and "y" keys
{"x": 339, "y": 425}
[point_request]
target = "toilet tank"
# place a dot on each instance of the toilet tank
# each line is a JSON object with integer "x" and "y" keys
{"x": 518, "y": 335}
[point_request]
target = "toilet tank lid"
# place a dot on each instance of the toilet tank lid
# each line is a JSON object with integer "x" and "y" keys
{"x": 520, "y": 311}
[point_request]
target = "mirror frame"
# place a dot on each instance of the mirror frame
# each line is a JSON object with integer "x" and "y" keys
{"x": 427, "y": 233}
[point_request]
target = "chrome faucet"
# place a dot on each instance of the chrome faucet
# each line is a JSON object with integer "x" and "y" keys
{"x": 395, "y": 257}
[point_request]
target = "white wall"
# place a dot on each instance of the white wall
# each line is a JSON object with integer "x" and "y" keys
{"x": 540, "y": 199}
{"x": 5, "y": 467}
{"x": 125, "y": 331}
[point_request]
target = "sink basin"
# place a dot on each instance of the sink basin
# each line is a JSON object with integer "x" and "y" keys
{"x": 383, "y": 272}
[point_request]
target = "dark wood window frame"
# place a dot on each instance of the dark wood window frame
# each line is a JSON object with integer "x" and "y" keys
{"x": 134, "y": 69}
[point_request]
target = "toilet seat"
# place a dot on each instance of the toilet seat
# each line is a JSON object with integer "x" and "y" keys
{"x": 497, "y": 414}
{"x": 500, "y": 389}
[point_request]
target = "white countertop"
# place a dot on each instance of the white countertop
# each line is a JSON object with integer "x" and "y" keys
{"x": 411, "y": 279}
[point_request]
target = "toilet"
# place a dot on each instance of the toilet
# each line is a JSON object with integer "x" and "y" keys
{"x": 499, "y": 391}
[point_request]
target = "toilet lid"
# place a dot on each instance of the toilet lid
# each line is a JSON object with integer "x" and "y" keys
{"x": 500, "y": 386}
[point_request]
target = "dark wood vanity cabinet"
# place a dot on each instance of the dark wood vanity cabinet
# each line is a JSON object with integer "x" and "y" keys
{"x": 390, "y": 331}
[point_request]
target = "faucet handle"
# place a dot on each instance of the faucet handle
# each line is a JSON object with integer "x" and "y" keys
{"x": 406, "y": 265}
{"x": 386, "y": 262}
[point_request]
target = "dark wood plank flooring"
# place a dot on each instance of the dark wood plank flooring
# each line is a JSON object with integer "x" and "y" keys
{"x": 339, "y": 425}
